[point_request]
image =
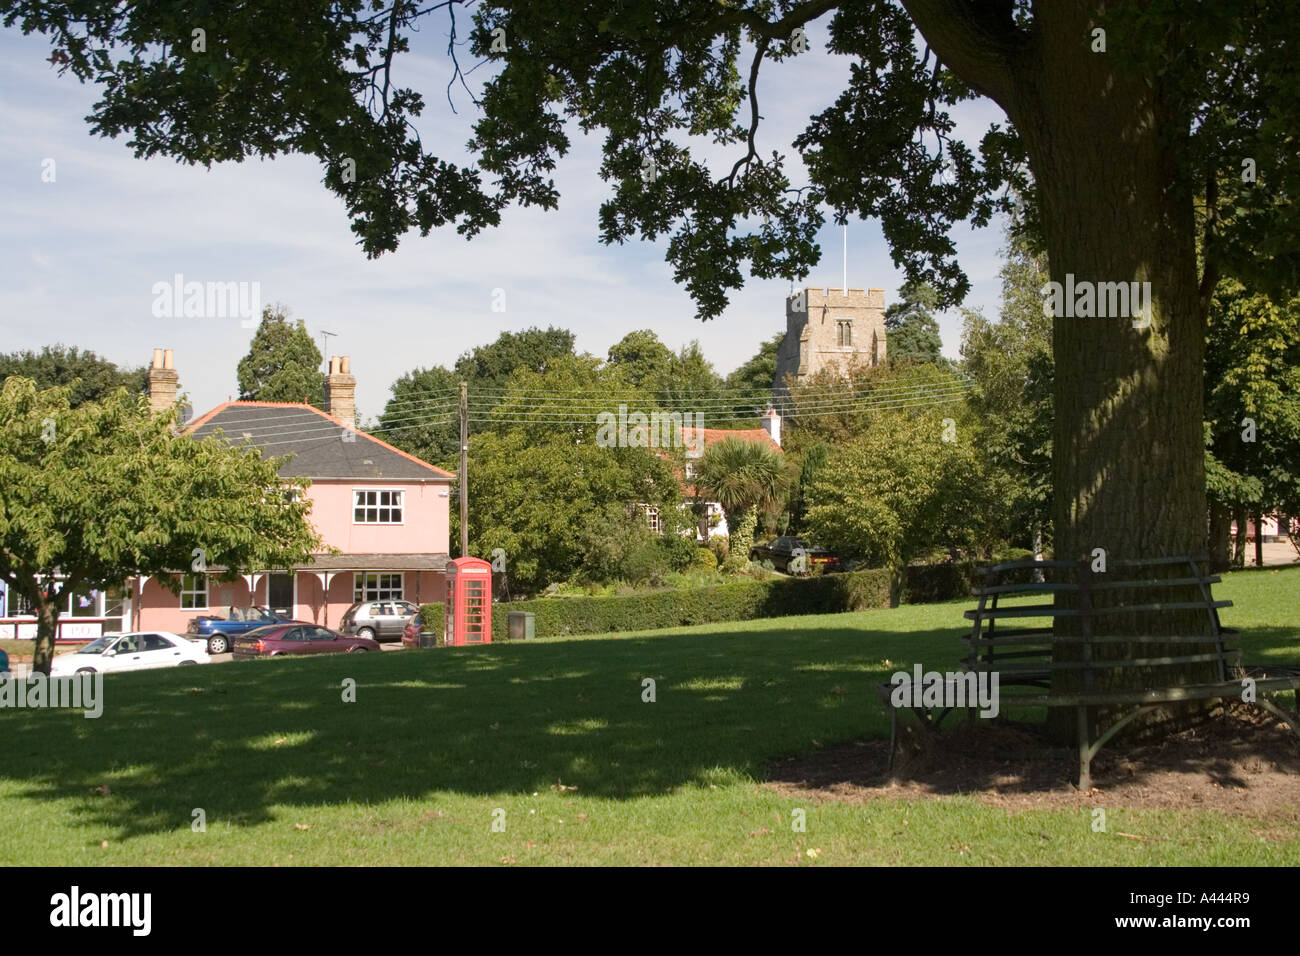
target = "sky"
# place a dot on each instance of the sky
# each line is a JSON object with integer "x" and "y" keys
{"x": 80, "y": 256}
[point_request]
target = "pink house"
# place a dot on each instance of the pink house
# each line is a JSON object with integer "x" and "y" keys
{"x": 386, "y": 512}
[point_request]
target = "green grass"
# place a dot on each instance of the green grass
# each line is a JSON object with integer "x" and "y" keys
{"x": 287, "y": 773}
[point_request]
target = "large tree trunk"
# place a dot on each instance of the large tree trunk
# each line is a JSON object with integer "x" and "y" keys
{"x": 1104, "y": 146}
{"x": 1128, "y": 455}
{"x": 1259, "y": 539}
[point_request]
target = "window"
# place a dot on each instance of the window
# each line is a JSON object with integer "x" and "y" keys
{"x": 156, "y": 642}
{"x": 652, "y": 518}
{"x": 377, "y": 587}
{"x": 844, "y": 332}
{"x": 18, "y": 606}
{"x": 194, "y": 592}
{"x": 377, "y": 507}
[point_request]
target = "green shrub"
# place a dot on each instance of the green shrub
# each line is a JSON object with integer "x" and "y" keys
{"x": 645, "y": 564}
{"x": 431, "y": 617}
{"x": 678, "y": 551}
{"x": 721, "y": 547}
{"x": 703, "y": 560}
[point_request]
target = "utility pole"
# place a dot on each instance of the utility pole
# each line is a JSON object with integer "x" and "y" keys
{"x": 464, "y": 471}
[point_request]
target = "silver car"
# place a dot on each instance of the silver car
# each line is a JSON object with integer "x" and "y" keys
{"x": 377, "y": 619}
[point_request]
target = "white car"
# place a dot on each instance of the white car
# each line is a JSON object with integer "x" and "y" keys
{"x": 135, "y": 651}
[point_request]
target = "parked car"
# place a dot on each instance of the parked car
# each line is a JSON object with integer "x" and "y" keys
{"x": 279, "y": 640}
{"x": 780, "y": 551}
{"x": 4, "y": 661}
{"x": 377, "y": 619}
{"x": 134, "y": 651}
{"x": 218, "y": 631}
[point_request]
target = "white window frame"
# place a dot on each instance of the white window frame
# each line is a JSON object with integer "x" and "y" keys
{"x": 361, "y": 586}
{"x": 194, "y": 592}
{"x": 654, "y": 520}
{"x": 68, "y": 606}
{"x": 400, "y": 506}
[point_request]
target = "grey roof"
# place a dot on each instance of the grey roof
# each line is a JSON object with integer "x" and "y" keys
{"x": 376, "y": 562}
{"x": 428, "y": 561}
{"x": 316, "y": 442}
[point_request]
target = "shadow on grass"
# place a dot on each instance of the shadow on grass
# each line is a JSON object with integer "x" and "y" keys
{"x": 242, "y": 739}
{"x": 239, "y": 739}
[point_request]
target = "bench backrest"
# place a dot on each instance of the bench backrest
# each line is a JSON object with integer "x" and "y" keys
{"x": 1139, "y": 613}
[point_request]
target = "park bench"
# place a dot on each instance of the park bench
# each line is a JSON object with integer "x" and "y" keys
{"x": 1138, "y": 595}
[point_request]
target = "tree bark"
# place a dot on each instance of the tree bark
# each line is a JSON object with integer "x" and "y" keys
{"x": 47, "y": 628}
{"x": 1239, "y": 549}
{"x": 1259, "y": 539}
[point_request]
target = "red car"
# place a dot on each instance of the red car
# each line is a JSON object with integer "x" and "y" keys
{"x": 281, "y": 639}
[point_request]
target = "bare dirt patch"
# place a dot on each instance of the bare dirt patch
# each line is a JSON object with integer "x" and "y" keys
{"x": 1238, "y": 761}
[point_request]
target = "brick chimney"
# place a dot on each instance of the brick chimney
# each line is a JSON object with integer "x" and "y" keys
{"x": 341, "y": 390}
{"x": 163, "y": 381}
{"x": 772, "y": 425}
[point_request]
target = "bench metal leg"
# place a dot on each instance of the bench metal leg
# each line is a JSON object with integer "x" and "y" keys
{"x": 1272, "y": 707}
{"x": 893, "y": 736}
{"x": 1085, "y": 752}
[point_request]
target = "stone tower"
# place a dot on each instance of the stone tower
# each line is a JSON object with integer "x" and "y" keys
{"x": 826, "y": 327}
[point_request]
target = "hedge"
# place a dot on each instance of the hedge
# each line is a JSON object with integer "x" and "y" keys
{"x": 736, "y": 601}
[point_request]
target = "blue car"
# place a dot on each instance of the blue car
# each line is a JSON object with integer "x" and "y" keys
{"x": 4, "y": 661}
{"x": 221, "y": 631}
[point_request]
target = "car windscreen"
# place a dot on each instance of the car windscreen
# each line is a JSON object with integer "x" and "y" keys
{"x": 98, "y": 645}
{"x": 261, "y": 632}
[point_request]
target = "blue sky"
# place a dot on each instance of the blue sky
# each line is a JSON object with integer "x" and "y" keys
{"x": 79, "y": 256}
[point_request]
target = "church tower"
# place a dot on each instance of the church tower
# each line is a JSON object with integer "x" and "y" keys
{"x": 825, "y": 328}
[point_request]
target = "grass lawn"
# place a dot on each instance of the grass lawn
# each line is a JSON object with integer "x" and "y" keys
{"x": 555, "y": 734}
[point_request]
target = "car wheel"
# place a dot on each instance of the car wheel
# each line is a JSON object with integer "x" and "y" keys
{"x": 357, "y": 650}
{"x": 218, "y": 645}
{"x": 183, "y": 663}
{"x": 85, "y": 670}
{"x": 366, "y": 632}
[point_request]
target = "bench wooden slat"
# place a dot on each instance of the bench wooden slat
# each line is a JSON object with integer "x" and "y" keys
{"x": 1024, "y": 588}
{"x": 997, "y": 639}
{"x": 1108, "y": 665}
{"x": 1156, "y": 583}
{"x": 1034, "y": 610}
{"x": 1172, "y": 606}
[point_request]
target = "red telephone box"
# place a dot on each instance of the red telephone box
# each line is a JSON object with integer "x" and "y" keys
{"x": 469, "y": 601}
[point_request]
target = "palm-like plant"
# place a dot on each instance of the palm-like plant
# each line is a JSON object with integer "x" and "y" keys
{"x": 742, "y": 476}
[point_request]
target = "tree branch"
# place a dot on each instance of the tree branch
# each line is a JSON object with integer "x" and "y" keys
{"x": 967, "y": 37}
{"x": 759, "y": 51}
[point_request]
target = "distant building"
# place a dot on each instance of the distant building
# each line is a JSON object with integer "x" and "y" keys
{"x": 384, "y": 512}
{"x": 826, "y": 328}
{"x": 711, "y": 521}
